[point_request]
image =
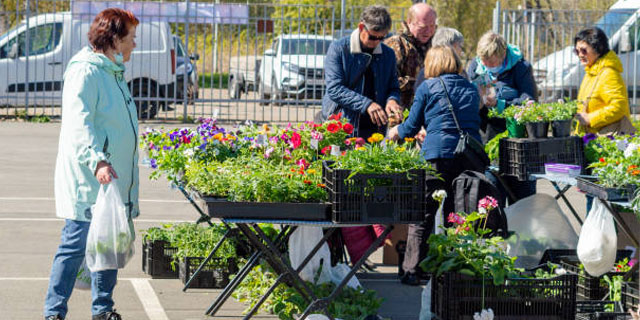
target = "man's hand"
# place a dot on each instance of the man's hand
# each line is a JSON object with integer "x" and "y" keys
{"x": 583, "y": 118}
{"x": 378, "y": 116}
{"x": 393, "y": 134}
{"x": 394, "y": 110}
{"x": 105, "y": 172}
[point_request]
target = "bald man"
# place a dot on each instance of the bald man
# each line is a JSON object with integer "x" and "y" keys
{"x": 411, "y": 46}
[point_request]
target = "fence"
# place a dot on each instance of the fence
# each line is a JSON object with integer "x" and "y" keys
{"x": 259, "y": 62}
{"x": 546, "y": 40}
{"x": 236, "y": 62}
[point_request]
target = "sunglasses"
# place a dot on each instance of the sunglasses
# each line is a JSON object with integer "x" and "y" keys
{"x": 582, "y": 51}
{"x": 374, "y": 38}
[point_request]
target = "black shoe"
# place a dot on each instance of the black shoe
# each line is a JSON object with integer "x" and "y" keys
{"x": 109, "y": 315}
{"x": 410, "y": 279}
{"x": 54, "y": 317}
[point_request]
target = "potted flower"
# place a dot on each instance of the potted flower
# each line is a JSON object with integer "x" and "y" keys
{"x": 536, "y": 119}
{"x": 512, "y": 116}
{"x": 561, "y": 117}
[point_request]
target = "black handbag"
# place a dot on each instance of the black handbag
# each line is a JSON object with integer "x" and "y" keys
{"x": 469, "y": 150}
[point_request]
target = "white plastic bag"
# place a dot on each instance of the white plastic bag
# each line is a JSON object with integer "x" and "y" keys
{"x": 83, "y": 278}
{"x": 301, "y": 242}
{"x": 339, "y": 272}
{"x": 425, "y": 309}
{"x": 110, "y": 239}
{"x": 598, "y": 241}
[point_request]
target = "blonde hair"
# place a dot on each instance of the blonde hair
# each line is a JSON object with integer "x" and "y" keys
{"x": 441, "y": 60}
{"x": 490, "y": 45}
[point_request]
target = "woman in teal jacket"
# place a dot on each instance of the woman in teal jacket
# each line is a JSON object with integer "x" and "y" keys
{"x": 98, "y": 143}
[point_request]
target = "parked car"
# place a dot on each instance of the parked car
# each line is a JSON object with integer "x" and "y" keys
{"x": 560, "y": 73}
{"x": 243, "y": 75}
{"x": 185, "y": 65}
{"x": 293, "y": 67}
{"x": 56, "y": 37}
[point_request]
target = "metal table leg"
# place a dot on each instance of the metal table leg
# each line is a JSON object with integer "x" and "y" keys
{"x": 203, "y": 217}
{"x": 561, "y": 194}
{"x": 323, "y": 303}
{"x": 208, "y": 258}
{"x": 244, "y": 271}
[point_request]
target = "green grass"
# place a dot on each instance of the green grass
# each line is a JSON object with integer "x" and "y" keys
{"x": 213, "y": 80}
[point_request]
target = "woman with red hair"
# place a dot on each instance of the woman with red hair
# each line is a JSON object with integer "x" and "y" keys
{"x": 97, "y": 146}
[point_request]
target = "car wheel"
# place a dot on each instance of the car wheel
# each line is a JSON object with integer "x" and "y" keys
{"x": 234, "y": 88}
{"x": 141, "y": 91}
{"x": 262, "y": 95}
{"x": 275, "y": 93}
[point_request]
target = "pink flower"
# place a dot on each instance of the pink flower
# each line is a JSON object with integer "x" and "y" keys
{"x": 304, "y": 164}
{"x": 632, "y": 262}
{"x": 316, "y": 135}
{"x": 487, "y": 203}
{"x": 456, "y": 218}
{"x": 360, "y": 142}
{"x": 268, "y": 152}
{"x": 295, "y": 140}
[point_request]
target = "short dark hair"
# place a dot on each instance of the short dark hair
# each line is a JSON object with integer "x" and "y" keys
{"x": 595, "y": 38}
{"x": 376, "y": 18}
{"x": 108, "y": 25}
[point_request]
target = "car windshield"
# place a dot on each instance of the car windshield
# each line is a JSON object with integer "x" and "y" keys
{"x": 179, "y": 47}
{"x": 9, "y": 31}
{"x": 613, "y": 20}
{"x": 305, "y": 46}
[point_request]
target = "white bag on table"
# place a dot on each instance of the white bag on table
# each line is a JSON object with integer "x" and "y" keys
{"x": 110, "y": 238}
{"x": 301, "y": 242}
{"x": 598, "y": 241}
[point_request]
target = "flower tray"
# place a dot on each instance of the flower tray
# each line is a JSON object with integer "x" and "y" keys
{"x": 221, "y": 208}
{"x": 457, "y": 296}
{"x": 376, "y": 198}
{"x": 156, "y": 259}
{"x": 590, "y": 287}
{"x": 591, "y": 187}
{"x": 209, "y": 277}
{"x": 521, "y": 157}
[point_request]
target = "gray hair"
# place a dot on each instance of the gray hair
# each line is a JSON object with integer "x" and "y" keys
{"x": 447, "y": 37}
{"x": 376, "y": 18}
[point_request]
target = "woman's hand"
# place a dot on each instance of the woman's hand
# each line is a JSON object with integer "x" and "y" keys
{"x": 421, "y": 135}
{"x": 105, "y": 172}
{"x": 583, "y": 118}
{"x": 393, "y": 134}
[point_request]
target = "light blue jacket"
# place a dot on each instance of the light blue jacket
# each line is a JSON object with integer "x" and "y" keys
{"x": 99, "y": 123}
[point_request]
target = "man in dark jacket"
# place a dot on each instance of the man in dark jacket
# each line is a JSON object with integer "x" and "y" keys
{"x": 361, "y": 76}
{"x": 411, "y": 46}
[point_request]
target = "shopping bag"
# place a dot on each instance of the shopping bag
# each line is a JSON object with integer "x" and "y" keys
{"x": 597, "y": 244}
{"x": 339, "y": 272}
{"x": 111, "y": 235}
{"x": 83, "y": 278}
{"x": 301, "y": 242}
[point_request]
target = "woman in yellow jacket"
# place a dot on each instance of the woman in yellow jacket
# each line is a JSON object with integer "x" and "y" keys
{"x": 603, "y": 93}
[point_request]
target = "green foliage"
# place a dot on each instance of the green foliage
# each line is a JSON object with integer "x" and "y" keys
{"x": 492, "y": 147}
{"x": 213, "y": 80}
{"x": 287, "y": 303}
{"x": 193, "y": 240}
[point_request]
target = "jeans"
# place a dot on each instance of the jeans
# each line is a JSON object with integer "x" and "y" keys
{"x": 66, "y": 264}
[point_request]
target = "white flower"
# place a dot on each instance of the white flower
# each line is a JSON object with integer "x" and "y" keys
{"x": 439, "y": 195}
{"x": 484, "y": 315}
{"x": 188, "y": 152}
{"x": 628, "y": 152}
{"x": 561, "y": 271}
{"x": 622, "y": 144}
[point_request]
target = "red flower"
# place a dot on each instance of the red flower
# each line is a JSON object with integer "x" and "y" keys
{"x": 336, "y": 116}
{"x": 325, "y": 150}
{"x": 295, "y": 140}
{"x": 344, "y": 152}
{"x": 348, "y": 128}
{"x": 307, "y": 181}
{"x": 333, "y": 127}
{"x": 321, "y": 185}
{"x": 601, "y": 159}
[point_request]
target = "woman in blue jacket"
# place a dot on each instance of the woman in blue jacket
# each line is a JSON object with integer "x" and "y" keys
{"x": 430, "y": 109}
{"x": 98, "y": 142}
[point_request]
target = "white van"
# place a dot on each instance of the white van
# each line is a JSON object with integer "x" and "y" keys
{"x": 55, "y": 37}
{"x": 560, "y": 73}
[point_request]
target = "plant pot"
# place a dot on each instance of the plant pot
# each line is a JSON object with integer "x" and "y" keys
{"x": 516, "y": 130}
{"x": 561, "y": 128}
{"x": 537, "y": 129}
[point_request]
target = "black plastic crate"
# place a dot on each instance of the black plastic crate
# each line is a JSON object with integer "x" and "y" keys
{"x": 457, "y": 296}
{"x": 376, "y": 198}
{"x": 595, "y": 310}
{"x": 571, "y": 256}
{"x": 591, "y": 187}
{"x": 156, "y": 259}
{"x": 590, "y": 287}
{"x": 522, "y": 157}
{"x": 220, "y": 208}
{"x": 209, "y": 277}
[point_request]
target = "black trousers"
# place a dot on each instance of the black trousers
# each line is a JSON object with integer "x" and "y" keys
{"x": 418, "y": 234}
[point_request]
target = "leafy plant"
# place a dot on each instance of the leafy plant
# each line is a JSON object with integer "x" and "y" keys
{"x": 492, "y": 148}
{"x": 563, "y": 110}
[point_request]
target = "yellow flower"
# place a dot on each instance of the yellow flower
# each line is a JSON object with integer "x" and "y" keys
{"x": 376, "y": 137}
{"x": 230, "y": 137}
{"x": 409, "y": 139}
{"x": 361, "y": 148}
{"x": 311, "y": 171}
{"x": 400, "y": 149}
{"x": 265, "y": 127}
{"x": 218, "y": 136}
